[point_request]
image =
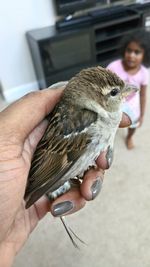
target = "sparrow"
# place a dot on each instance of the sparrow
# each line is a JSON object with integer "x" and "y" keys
{"x": 81, "y": 126}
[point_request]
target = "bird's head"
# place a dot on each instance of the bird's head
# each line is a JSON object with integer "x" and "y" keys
{"x": 102, "y": 86}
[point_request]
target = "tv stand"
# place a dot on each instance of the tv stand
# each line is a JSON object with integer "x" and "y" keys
{"x": 68, "y": 24}
{"x": 60, "y": 52}
{"x": 93, "y": 17}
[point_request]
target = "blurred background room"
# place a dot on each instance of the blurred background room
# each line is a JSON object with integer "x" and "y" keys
{"x": 47, "y": 41}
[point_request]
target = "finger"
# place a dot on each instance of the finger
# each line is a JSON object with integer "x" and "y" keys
{"x": 125, "y": 122}
{"x": 38, "y": 211}
{"x": 92, "y": 183}
{"x": 25, "y": 114}
{"x": 102, "y": 161}
{"x": 68, "y": 203}
{"x": 42, "y": 206}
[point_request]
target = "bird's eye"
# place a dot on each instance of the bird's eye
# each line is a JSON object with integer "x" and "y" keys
{"x": 114, "y": 92}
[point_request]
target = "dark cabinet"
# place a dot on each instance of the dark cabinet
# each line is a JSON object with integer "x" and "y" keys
{"x": 58, "y": 55}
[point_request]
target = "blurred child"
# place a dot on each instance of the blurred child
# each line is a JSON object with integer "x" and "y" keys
{"x": 135, "y": 52}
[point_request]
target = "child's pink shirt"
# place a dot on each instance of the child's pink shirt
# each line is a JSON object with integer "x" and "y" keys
{"x": 141, "y": 78}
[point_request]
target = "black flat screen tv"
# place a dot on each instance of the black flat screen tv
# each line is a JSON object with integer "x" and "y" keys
{"x": 66, "y": 7}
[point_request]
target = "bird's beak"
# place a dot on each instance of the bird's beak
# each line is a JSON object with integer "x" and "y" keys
{"x": 128, "y": 89}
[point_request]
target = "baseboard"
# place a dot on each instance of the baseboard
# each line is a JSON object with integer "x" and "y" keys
{"x": 15, "y": 93}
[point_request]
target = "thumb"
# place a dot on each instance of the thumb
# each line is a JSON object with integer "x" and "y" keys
{"x": 21, "y": 117}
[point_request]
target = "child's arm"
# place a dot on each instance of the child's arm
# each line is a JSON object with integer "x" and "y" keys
{"x": 142, "y": 102}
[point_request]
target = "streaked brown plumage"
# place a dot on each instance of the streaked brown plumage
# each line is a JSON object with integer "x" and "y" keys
{"x": 82, "y": 124}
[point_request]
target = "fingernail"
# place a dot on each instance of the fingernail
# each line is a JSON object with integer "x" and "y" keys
{"x": 61, "y": 208}
{"x": 109, "y": 156}
{"x": 96, "y": 187}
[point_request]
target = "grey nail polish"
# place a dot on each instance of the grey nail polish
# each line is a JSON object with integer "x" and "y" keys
{"x": 96, "y": 187}
{"x": 61, "y": 208}
{"x": 109, "y": 156}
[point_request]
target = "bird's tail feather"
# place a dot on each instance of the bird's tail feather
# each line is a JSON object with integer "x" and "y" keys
{"x": 71, "y": 233}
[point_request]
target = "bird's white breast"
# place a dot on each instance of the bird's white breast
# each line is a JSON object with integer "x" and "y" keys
{"x": 103, "y": 134}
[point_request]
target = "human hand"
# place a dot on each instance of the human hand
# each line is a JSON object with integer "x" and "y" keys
{"x": 21, "y": 128}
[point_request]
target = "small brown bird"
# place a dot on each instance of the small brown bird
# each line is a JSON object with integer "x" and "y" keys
{"x": 83, "y": 124}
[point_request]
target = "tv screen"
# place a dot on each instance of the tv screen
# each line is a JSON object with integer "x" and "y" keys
{"x": 66, "y": 7}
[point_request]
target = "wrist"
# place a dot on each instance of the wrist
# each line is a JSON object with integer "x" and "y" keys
{"x": 7, "y": 254}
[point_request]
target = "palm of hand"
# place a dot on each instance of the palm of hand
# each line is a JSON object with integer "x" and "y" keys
{"x": 20, "y": 221}
{"x": 15, "y": 163}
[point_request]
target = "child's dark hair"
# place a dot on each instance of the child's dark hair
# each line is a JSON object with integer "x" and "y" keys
{"x": 142, "y": 38}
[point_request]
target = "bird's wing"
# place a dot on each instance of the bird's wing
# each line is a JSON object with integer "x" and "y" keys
{"x": 64, "y": 141}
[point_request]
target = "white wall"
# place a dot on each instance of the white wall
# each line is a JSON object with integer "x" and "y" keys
{"x": 16, "y": 18}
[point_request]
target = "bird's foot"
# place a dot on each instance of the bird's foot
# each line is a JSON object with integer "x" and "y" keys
{"x": 75, "y": 182}
{"x": 59, "y": 191}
